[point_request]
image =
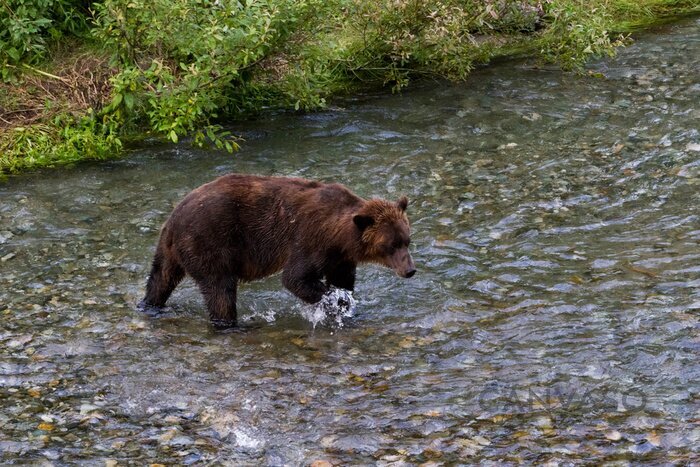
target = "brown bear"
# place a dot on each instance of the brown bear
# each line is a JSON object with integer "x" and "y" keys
{"x": 244, "y": 227}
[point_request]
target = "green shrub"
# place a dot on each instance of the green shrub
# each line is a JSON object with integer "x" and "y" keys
{"x": 578, "y": 31}
{"x": 181, "y": 67}
{"x": 26, "y": 26}
{"x": 59, "y": 142}
{"x": 185, "y": 60}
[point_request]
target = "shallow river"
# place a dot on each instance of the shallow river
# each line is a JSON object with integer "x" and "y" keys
{"x": 555, "y": 315}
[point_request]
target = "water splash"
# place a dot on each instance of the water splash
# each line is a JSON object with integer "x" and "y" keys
{"x": 334, "y": 306}
{"x": 267, "y": 314}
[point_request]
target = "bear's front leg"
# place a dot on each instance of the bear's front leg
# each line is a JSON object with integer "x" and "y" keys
{"x": 304, "y": 281}
{"x": 342, "y": 276}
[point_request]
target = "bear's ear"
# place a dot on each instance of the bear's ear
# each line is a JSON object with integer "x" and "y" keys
{"x": 362, "y": 221}
{"x": 403, "y": 203}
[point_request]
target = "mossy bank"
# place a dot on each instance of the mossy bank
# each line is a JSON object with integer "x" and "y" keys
{"x": 81, "y": 78}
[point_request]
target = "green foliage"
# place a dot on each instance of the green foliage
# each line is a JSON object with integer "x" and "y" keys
{"x": 183, "y": 60}
{"x": 182, "y": 67}
{"x": 26, "y": 26}
{"x": 395, "y": 39}
{"x": 578, "y": 31}
{"x": 59, "y": 142}
{"x": 633, "y": 14}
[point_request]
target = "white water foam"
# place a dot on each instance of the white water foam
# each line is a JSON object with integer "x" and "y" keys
{"x": 267, "y": 314}
{"x": 334, "y": 306}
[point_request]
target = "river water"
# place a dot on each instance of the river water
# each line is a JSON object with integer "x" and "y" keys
{"x": 555, "y": 315}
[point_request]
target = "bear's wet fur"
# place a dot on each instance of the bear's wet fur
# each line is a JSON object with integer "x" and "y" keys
{"x": 241, "y": 227}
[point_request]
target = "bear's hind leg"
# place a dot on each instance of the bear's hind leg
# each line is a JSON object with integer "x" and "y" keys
{"x": 220, "y": 297}
{"x": 164, "y": 277}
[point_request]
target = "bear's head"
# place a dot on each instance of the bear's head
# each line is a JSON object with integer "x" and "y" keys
{"x": 385, "y": 235}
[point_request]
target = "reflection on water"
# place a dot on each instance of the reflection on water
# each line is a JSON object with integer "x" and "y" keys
{"x": 554, "y": 316}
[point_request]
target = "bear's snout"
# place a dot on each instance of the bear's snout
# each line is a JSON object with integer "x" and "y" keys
{"x": 402, "y": 263}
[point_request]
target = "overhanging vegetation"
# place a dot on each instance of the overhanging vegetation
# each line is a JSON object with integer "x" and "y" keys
{"x": 81, "y": 77}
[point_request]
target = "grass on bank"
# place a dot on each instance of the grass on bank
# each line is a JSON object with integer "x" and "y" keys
{"x": 80, "y": 77}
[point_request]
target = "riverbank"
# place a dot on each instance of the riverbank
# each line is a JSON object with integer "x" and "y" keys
{"x": 129, "y": 70}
